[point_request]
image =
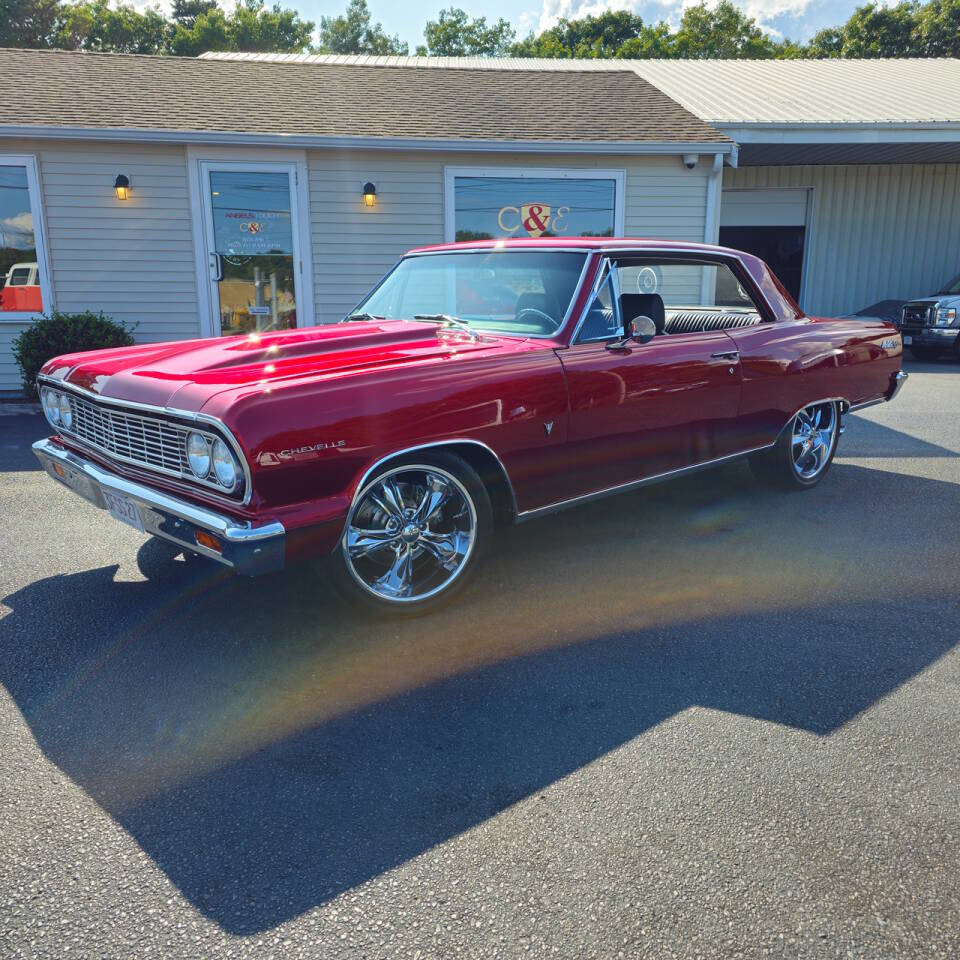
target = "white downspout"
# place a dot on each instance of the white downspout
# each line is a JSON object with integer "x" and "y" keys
{"x": 710, "y": 225}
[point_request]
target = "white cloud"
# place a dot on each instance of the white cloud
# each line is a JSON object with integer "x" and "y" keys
{"x": 17, "y": 231}
{"x": 763, "y": 11}
{"x": 554, "y": 10}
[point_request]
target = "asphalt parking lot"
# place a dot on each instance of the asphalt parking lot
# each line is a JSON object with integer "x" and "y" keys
{"x": 704, "y": 719}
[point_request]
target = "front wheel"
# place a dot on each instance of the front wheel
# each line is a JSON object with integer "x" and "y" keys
{"x": 414, "y": 535}
{"x": 926, "y": 354}
{"x": 804, "y": 451}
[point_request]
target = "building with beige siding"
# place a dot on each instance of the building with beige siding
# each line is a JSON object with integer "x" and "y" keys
{"x": 196, "y": 198}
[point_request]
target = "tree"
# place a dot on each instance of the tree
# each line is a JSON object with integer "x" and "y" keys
{"x": 600, "y": 36}
{"x": 937, "y": 29}
{"x": 250, "y": 26}
{"x": 186, "y": 12}
{"x": 721, "y": 32}
{"x": 353, "y": 32}
{"x": 454, "y": 34}
{"x": 906, "y": 30}
{"x": 28, "y": 23}
{"x": 95, "y": 25}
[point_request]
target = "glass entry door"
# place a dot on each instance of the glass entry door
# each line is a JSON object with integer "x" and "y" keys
{"x": 252, "y": 243}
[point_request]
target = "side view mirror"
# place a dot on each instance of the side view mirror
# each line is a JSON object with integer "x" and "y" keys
{"x": 639, "y": 330}
{"x": 642, "y": 329}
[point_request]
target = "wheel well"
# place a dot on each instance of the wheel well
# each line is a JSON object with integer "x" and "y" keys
{"x": 491, "y": 471}
{"x": 487, "y": 466}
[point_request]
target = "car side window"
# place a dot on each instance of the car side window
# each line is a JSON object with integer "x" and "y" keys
{"x": 602, "y": 321}
{"x": 684, "y": 296}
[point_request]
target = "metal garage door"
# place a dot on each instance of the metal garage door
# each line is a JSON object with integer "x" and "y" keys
{"x": 764, "y": 208}
{"x": 772, "y": 225}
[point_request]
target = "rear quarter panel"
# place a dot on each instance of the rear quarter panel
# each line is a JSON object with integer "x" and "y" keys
{"x": 790, "y": 363}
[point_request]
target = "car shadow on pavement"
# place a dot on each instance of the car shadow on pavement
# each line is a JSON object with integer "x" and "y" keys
{"x": 269, "y": 750}
{"x": 17, "y": 434}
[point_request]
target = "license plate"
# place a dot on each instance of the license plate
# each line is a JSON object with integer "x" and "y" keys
{"x": 123, "y": 509}
{"x": 908, "y": 340}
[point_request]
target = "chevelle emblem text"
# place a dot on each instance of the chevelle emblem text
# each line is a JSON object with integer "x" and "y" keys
{"x": 890, "y": 344}
{"x": 268, "y": 458}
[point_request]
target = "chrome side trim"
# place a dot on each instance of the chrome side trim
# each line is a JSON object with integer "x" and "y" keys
{"x": 679, "y": 472}
{"x": 361, "y": 485}
{"x": 189, "y": 415}
{"x": 247, "y": 548}
{"x": 635, "y": 484}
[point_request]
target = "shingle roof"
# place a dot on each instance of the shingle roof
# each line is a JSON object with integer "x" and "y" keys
{"x": 733, "y": 92}
{"x": 325, "y": 100}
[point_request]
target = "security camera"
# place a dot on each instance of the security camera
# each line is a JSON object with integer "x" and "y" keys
{"x": 690, "y": 160}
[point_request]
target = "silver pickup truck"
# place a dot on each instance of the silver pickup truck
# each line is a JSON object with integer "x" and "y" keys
{"x": 930, "y": 326}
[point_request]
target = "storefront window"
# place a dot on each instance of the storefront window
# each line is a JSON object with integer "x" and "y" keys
{"x": 20, "y": 279}
{"x": 253, "y": 238}
{"x": 491, "y": 207}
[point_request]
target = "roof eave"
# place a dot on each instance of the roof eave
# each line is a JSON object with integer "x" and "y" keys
{"x": 144, "y": 135}
{"x": 755, "y": 132}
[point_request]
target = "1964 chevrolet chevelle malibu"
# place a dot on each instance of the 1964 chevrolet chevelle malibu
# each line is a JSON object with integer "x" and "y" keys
{"x": 477, "y": 384}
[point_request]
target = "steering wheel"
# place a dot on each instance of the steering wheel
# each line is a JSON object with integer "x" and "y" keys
{"x": 551, "y": 324}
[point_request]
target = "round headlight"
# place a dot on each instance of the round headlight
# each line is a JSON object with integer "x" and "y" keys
{"x": 66, "y": 413}
{"x": 198, "y": 455}
{"x": 51, "y": 405}
{"x": 225, "y": 465}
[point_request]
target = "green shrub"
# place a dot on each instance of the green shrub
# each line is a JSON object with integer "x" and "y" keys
{"x": 55, "y": 333}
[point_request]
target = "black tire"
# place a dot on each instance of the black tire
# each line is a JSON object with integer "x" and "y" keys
{"x": 779, "y": 467}
{"x": 926, "y": 354}
{"x": 467, "y": 505}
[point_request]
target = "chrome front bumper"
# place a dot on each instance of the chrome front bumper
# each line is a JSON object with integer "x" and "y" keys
{"x": 248, "y": 549}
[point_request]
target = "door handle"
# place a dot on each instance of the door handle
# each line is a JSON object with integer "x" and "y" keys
{"x": 727, "y": 355}
{"x": 216, "y": 266}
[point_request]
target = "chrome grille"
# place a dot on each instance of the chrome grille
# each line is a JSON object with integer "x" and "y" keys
{"x": 915, "y": 318}
{"x": 145, "y": 441}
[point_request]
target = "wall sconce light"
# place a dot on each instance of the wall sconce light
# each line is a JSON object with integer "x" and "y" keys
{"x": 369, "y": 194}
{"x": 122, "y": 186}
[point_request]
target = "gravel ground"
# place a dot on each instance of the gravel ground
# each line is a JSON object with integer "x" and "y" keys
{"x": 700, "y": 720}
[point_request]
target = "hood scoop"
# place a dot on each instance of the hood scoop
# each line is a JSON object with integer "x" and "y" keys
{"x": 318, "y": 342}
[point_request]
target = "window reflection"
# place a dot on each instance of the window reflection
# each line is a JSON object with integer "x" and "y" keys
{"x": 19, "y": 269}
{"x": 253, "y": 237}
{"x": 491, "y": 207}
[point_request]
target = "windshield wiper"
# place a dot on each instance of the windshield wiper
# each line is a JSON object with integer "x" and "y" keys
{"x": 362, "y": 316}
{"x": 447, "y": 322}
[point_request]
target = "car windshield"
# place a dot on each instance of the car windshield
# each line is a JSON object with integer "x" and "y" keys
{"x": 522, "y": 293}
{"x": 953, "y": 286}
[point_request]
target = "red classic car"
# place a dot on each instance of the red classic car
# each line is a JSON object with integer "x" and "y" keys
{"x": 478, "y": 384}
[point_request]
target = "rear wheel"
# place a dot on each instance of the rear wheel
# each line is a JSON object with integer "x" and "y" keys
{"x": 414, "y": 535}
{"x": 927, "y": 354}
{"x": 804, "y": 451}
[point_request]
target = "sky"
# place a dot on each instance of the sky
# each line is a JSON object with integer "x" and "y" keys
{"x": 797, "y": 19}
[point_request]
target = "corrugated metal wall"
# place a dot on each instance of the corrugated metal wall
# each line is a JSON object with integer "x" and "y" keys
{"x": 875, "y": 232}
{"x": 354, "y": 246}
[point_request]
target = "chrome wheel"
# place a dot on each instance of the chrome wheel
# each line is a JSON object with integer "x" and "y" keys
{"x": 814, "y": 433}
{"x": 410, "y": 533}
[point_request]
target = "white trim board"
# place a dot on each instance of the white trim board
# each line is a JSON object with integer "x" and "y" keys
{"x": 303, "y": 141}
{"x": 29, "y": 161}
{"x": 450, "y": 173}
{"x": 249, "y": 160}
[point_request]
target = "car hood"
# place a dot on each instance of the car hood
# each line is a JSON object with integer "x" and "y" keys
{"x": 946, "y": 300}
{"x": 188, "y": 374}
